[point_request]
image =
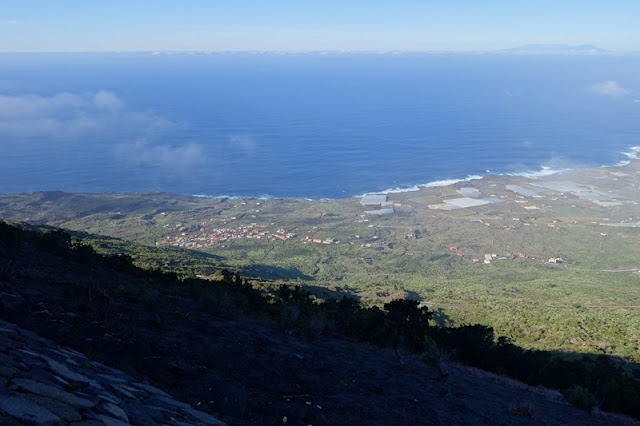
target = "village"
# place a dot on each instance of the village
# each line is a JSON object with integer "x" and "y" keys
{"x": 200, "y": 238}
{"x": 539, "y": 198}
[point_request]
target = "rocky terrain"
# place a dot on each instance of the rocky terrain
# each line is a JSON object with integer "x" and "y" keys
{"x": 264, "y": 381}
{"x": 43, "y": 383}
{"x": 240, "y": 370}
{"x": 478, "y": 251}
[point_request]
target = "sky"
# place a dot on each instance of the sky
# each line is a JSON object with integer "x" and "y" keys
{"x": 311, "y": 25}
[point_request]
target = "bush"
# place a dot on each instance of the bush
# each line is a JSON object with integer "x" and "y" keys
{"x": 580, "y": 397}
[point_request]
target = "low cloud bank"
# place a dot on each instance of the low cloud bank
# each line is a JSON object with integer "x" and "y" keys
{"x": 172, "y": 159}
{"x": 608, "y": 88}
{"x": 135, "y": 138}
{"x": 65, "y": 116}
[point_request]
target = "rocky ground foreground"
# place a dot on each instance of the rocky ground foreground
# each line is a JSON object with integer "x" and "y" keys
{"x": 244, "y": 372}
{"x": 43, "y": 383}
{"x": 92, "y": 357}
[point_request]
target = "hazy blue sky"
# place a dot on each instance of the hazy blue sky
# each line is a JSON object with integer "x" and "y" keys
{"x": 293, "y": 25}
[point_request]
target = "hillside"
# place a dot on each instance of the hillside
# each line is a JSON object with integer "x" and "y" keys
{"x": 43, "y": 383}
{"x": 242, "y": 369}
{"x": 433, "y": 248}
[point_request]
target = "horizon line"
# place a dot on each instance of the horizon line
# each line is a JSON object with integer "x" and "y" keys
{"x": 514, "y": 51}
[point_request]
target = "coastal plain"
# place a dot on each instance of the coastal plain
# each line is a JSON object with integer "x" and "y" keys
{"x": 552, "y": 262}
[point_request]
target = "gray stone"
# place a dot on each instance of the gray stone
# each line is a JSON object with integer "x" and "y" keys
{"x": 38, "y": 357}
{"x": 33, "y": 354}
{"x": 11, "y": 301}
{"x": 151, "y": 389}
{"x": 64, "y": 371}
{"x": 52, "y": 392}
{"x": 94, "y": 384}
{"x": 139, "y": 414}
{"x": 28, "y": 411}
{"x": 61, "y": 380}
{"x": 112, "y": 378}
{"x": 71, "y": 361}
{"x": 62, "y": 326}
{"x": 64, "y": 411}
{"x": 70, "y": 352}
{"x": 170, "y": 403}
{"x": 129, "y": 388}
{"x": 109, "y": 398}
{"x": 110, "y": 371}
{"x": 204, "y": 417}
{"x": 123, "y": 391}
{"x": 67, "y": 316}
{"x": 43, "y": 314}
{"x": 110, "y": 421}
{"x": 115, "y": 411}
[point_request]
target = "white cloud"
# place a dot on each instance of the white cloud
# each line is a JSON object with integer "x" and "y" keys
{"x": 136, "y": 138}
{"x": 107, "y": 100}
{"x": 172, "y": 159}
{"x": 244, "y": 143}
{"x": 608, "y": 88}
{"x": 67, "y": 116}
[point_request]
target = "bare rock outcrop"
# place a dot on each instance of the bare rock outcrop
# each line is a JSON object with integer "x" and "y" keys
{"x": 43, "y": 383}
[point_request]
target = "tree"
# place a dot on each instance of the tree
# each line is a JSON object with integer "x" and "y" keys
{"x": 408, "y": 322}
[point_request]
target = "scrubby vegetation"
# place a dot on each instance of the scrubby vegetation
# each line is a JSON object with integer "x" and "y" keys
{"x": 587, "y": 381}
{"x": 579, "y": 306}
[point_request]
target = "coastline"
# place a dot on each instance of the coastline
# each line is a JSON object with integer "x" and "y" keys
{"x": 632, "y": 154}
{"x": 545, "y": 171}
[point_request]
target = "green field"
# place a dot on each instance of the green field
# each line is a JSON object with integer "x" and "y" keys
{"x": 574, "y": 306}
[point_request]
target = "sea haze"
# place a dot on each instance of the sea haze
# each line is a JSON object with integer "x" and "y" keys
{"x": 305, "y": 125}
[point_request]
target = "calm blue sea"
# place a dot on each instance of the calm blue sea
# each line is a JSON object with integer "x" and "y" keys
{"x": 305, "y": 125}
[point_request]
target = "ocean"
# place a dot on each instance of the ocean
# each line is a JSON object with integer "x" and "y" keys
{"x": 306, "y": 125}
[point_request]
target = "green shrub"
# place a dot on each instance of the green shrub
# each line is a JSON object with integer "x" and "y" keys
{"x": 580, "y": 397}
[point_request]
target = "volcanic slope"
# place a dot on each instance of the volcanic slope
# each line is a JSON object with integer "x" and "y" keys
{"x": 243, "y": 370}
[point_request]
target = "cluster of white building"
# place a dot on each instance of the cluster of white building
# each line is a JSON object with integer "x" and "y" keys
{"x": 320, "y": 240}
{"x": 203, "y": 238}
